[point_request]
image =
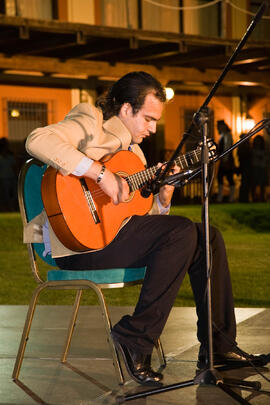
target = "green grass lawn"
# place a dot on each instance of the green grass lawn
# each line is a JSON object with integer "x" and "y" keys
{"x": 246, "y": 230}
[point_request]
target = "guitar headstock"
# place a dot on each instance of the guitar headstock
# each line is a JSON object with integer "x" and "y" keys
{"x": 212, "y": 148}
{"x": 193, "y": 158}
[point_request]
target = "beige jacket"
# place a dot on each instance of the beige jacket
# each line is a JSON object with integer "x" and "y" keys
{"x": 82, "y": 133}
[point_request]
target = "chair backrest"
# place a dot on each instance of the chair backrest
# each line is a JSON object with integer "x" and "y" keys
{"x": 30, "y": 202}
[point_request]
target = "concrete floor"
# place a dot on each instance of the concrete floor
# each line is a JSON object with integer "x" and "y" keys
{"x": 88, "y": 377}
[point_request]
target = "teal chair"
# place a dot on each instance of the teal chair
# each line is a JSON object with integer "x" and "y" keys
{"x": 30, "y": 203}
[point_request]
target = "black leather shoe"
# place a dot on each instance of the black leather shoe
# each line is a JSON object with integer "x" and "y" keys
{"x": 138, "y": 365}
{"x": 234, "y": 357}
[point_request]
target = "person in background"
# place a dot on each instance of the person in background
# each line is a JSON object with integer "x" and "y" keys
{"x": 8, "y": 177}
{"x": 226, "y": 165}
{"x": 258, "y": 169}
{"x": 244, "y": 154}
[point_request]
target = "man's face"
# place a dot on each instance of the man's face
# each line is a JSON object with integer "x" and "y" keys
{"x": 144, "y": 122}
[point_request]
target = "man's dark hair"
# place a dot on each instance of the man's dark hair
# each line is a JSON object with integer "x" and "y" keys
{"x": 131, "y": 88}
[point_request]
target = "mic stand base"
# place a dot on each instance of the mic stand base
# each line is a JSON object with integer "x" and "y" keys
{"x": 207, "y": 377}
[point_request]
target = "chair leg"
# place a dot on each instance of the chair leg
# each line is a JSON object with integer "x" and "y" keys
{"x": 72, "y": 324}
{"x": 108, "y": 326}
{"x": 161, "y": 354}
{"x": 26, "y": 332}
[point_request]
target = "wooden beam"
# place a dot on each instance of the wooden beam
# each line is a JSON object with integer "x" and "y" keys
{"x": 91, "y": 68}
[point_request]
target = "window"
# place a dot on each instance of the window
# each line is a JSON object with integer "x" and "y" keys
{"x": 201, "y": 21}
{"x": 119, "y": 13}
{"x": 262, "y": 30}
{"x": 22, "y": 118}
{"x": 40, "y": 9}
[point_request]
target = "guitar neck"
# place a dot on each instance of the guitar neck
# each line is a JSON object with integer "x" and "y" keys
{"x": 139, "y": 179}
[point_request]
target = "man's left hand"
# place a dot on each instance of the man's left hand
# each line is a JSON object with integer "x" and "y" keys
{"x": 166, "y": 192}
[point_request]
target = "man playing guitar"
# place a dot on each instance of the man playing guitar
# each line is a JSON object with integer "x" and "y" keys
{"x": 169, "y": 246}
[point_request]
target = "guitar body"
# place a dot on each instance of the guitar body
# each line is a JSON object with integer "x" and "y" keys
{"x": 68, "y": 210}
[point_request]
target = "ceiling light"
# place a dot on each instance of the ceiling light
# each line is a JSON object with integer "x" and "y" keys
{"x": 169, "y": 93}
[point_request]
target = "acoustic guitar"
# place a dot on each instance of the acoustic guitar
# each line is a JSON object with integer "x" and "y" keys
{"x": 83, "y": 217}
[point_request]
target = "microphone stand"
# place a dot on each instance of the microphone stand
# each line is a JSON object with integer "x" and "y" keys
{"x": 210, "y": 375}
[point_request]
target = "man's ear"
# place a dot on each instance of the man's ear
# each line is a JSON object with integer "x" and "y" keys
{"x": 125, "y": 110}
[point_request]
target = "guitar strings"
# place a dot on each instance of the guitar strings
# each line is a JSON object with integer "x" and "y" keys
{"x": 139, "y": 179}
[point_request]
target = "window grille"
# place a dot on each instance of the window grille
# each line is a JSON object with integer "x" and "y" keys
{"x": 23, "y": 117}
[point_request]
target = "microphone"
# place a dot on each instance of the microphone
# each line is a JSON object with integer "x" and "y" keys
{"x": 172, "y": 180}
{"x": 146, "y": 191}
{"x": 152, "y": 185}
{"x": 175, "y": 178}
{"x": 150, "y": 188}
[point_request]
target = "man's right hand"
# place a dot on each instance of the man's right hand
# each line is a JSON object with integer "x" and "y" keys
{"x": 113, "y": 185}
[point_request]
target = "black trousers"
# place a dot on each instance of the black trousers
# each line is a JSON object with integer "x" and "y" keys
{"x": 228, "y": 173}
{"x": 169, "y": 246}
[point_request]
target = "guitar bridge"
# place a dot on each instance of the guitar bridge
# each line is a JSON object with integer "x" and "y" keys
{"x": 90, "y": 201}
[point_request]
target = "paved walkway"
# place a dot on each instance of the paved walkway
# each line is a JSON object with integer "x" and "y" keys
{"x": 88, "y": 377}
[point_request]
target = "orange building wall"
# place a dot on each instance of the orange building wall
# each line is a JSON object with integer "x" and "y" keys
{"x": 59, "y": 102}
{"x": 174, "y": 115}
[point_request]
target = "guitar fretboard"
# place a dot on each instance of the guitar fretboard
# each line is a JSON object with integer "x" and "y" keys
{"x": 139, "y": 179}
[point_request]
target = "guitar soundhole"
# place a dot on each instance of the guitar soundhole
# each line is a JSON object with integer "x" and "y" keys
{"x": 124, "y": 175}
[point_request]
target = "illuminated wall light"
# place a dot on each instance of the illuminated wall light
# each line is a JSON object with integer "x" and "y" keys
{"x": 15, "y": 113}
{"x": 169, "y": 93}
{"x": 239, "y": 124}
{"x": 248, "y": 124}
